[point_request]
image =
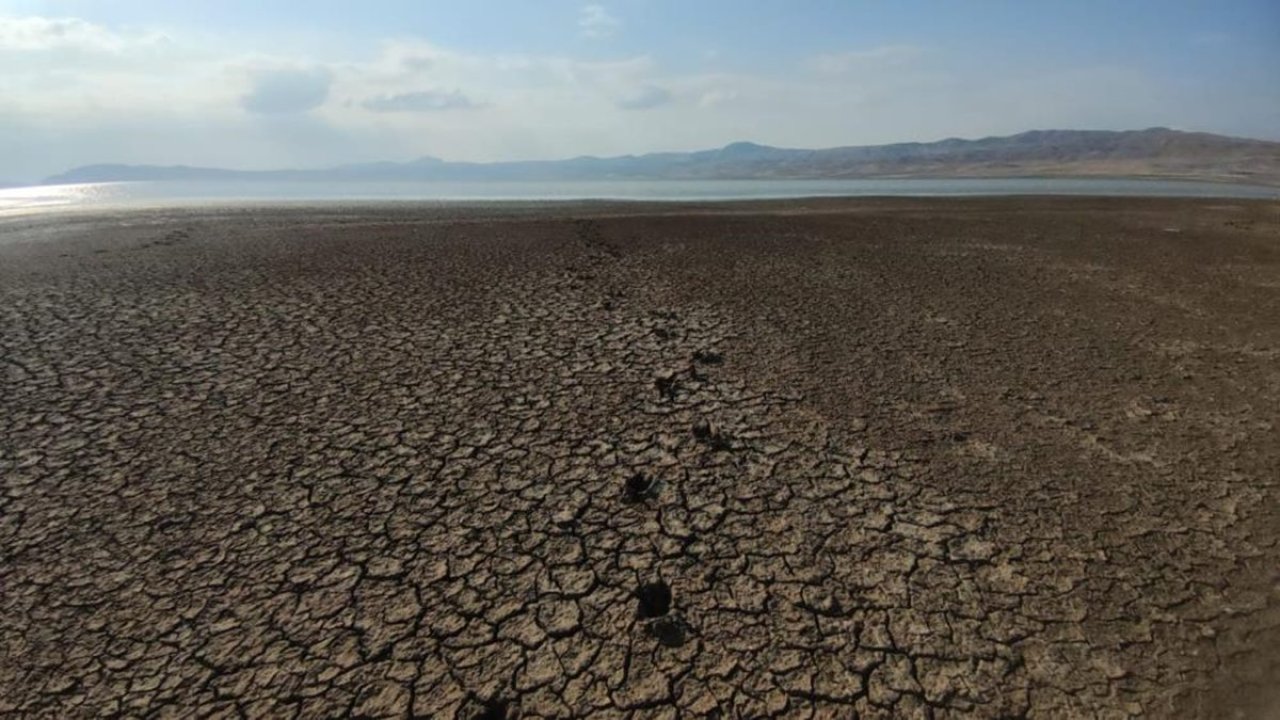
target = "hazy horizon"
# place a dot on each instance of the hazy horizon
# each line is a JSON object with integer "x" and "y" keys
{"x": 660, "y": 151}
{"x": 241, "y": 86}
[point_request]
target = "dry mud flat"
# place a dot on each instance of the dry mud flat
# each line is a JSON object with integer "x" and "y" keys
{"x": 990, "y": 458}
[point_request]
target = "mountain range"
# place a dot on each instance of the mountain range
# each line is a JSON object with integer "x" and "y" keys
{"x": 1154, "y": 152}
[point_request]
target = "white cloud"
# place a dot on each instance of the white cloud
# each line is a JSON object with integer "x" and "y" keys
{"x": 596, "y": 22}
{"x": 73, "y": 74}
{"x": 418, "y": 101}
{"x": 282, "y": 91}
{"x": 645, "y": 97}
{"x": 720, "y": 96}
{"x": 36, "y": 34}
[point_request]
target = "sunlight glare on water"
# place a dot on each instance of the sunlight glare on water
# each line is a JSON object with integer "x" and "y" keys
{"x": 118, "y": 195}
{"x": 22, "y": 200}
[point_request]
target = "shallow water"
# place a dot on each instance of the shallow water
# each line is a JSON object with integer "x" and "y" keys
{"x": 45, "y": 198}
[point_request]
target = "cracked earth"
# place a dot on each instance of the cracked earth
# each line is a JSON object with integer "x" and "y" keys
{"x": 988, "y": 458}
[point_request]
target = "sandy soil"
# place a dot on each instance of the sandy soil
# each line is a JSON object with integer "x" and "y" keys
{"x": 992, "y": 458}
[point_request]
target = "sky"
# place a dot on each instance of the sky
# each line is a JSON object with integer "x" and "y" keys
{"x": 253, "y": 84}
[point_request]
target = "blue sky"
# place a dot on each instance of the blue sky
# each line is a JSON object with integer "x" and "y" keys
{"x": 236, "y": 83}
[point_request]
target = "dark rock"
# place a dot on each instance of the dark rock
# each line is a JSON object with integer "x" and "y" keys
{"x": 706, "y": 432}
{"x": 665, "y": 383}
{"x": 703, "y": 430}
{"x": 496, "y": 709}
{"x": 639, "y": 487}
{"x": 654, "y": 600}
{"x": 708, "y": 357}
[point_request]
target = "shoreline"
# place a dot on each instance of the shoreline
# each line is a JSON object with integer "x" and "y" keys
{"x": 76, "y": 198}
{"x": 616, "y": 207}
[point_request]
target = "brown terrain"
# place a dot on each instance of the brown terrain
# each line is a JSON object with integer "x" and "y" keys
{"x": 830, "y": 458}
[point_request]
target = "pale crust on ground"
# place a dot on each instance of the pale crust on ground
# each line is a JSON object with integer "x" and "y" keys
{"x": 943, "y": 458}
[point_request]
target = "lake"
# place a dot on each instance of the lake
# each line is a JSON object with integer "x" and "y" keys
{"x": 24, "y": 200}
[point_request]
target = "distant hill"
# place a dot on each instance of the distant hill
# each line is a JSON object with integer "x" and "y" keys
{"x": 1154, "y": 152}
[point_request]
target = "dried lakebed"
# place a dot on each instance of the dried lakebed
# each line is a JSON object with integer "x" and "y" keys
{"x": 910, "y": 458}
